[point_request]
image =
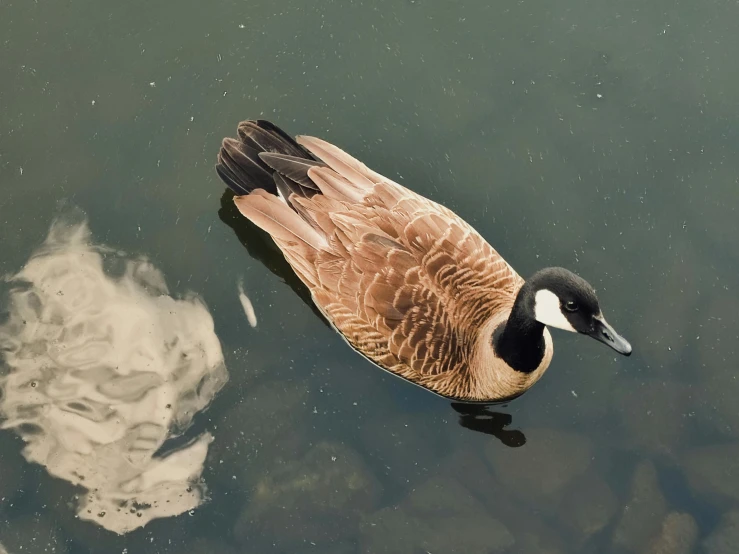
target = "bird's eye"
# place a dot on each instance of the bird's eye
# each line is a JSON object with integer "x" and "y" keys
{"x": 571, "y": 306}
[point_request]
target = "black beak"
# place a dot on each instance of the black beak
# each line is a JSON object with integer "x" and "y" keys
{"x": 604, "y": 333}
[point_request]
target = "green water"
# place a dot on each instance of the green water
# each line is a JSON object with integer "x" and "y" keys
{"x": 600, "y": 136}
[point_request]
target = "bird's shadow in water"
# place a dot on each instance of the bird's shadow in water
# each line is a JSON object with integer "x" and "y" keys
{"x": 482, "y": 419}
{"x": 474, "y": 416}
{"x": 261, "y": 247}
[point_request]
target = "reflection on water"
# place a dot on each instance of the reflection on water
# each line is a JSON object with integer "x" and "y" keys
{"x": 101, "y": 367}
{"x": 246, "y": 304}
{"x": 261, "y": 247}
{"x": 480, "y": 418}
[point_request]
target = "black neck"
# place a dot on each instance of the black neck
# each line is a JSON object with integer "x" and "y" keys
{"x": 520, "y": 340}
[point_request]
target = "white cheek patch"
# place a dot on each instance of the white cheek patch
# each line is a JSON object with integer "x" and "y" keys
{"x": 548, "y": 312}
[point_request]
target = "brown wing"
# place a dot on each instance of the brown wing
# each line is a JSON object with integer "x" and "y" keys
{"x": 407, "y": 282}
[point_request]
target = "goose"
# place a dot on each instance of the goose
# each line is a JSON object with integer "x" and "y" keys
{"x": 408, "y": 283}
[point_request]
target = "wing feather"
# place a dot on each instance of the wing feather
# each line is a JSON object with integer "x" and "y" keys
{"x": 342, "y": 163}
{"x": 276, "y": 218}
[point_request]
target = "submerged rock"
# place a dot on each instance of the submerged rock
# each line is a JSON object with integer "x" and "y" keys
{"x": 534, "y": 544}
{"x": 542, "y": 468}
{"x": 404, "y": 448}
{"x": 534, "y": 536}
{"x": 264, "y": 430}
{"x": 643, "y": 512}
{"x": 678, "y": 535}
{"x": 395, "y": 531}
{"x": 589, "y": 506}
{"x": 316, "y": 499}
{"x": 714, "y": 470}
{"x": 466, "y": 466}
{"x": 440, "y": 516}
{"x": 725, "y": 538}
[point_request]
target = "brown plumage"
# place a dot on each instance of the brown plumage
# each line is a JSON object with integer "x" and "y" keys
{"x": 407, "y": 282}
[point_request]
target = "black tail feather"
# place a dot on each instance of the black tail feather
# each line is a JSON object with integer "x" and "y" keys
{"x": 286, "y": 187}
{"x": 261, "y": 151}
{"x": 241, "y": 168}
{"x": 295, "y": 169}
{"x": 265, "y": 136}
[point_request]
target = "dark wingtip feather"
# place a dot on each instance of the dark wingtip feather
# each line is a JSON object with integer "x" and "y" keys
{"x": 228, "y": 178}
{"x": 265, "y": 136}
{"x": 287, "y": 187}
{"x": 242, "y": 168}
{"x": 240, "y": 165}
{"x": 295, "y": 169}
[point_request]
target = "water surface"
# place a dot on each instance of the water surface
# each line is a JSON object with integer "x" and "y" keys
{"x": 600, "y": 136}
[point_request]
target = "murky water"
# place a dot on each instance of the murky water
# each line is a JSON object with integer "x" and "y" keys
{"x": 144, "y": 411}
